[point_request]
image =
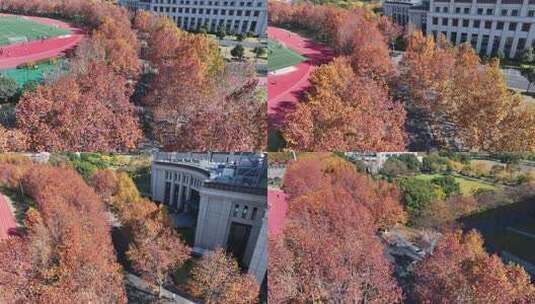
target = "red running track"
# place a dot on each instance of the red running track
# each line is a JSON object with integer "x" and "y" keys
{"x": 15, "y": 54}
{"x": 284, "y": 90}
{"x": 8, "y": 224}
{"x": 278, "y": 207}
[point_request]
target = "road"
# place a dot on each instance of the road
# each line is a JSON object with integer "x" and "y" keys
{"x": 7, "y": 219}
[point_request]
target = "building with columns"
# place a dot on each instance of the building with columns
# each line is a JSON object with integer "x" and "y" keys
{"x": 235, "y": 16}
{"x": 490, "y": 26}
{"x": 224, "y": 195}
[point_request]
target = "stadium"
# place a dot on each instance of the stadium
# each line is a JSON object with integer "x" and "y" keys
{"x": 33, "y": 46}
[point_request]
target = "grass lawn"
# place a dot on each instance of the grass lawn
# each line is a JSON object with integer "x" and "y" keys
{"x": 13, "y": 28}
{"x": 281, "y": 57}
{"x": 467, "y": 186}
{"x": 24, "y": 75}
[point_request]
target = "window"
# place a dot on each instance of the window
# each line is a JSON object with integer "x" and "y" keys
{"x": 525, "y": 27}
{"x": 499, "y": 25}
{"x": 458, "y": 10}
{"x": 480, "y": 11}
{"x": 531, "y": 13}
{"x": 455, "y": 22}
{"x": 236, "y": 210}
{"x": 244, "y": 212}
{"x": 489, "y": 11}
{"x": 437, "y": 9}
{"x": 466, "y": 22}
{"x": 514, "y": 12}
{"x": 512, "y": 26}
{"x": 253, "y": 215}
{"x": 488, "y": 24}
{"x": 504, "y": 12}
{"x": 445, "y": 9}
{"x": 435, "y": 20}
{"x": 477, "y": 23}
{"x": 467, "y": 10}
{"x": 445, "y": 21}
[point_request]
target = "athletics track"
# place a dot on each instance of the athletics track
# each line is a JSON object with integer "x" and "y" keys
{"x": 15, "y": 54}
{"x": 278, "y": 206}
{"x": 7, "y": 221}
{"x": 285, "y": 89}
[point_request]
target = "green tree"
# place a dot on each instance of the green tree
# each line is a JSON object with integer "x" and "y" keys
{"x": 8, "y": 89}
{"x": 259, "y": 51}
{"x": 448, "y": 184}
{"x": 238, "y": 51}
{"x": 434, "y": 163}
{"x": 411, "y": 161}
{"x": 417, "y": 194}
{"x": 394, "y": 167}
{"x": 528, "y": 71}
{"x": 221, "y": 32}
{"x": 527, "y": 56}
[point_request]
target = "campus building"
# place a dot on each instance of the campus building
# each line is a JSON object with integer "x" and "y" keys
{"x": 222, "y": 197}
{"x": 399, "y": 10}
{"x": 235, "y": 16}
{"x": 490, "y": 26}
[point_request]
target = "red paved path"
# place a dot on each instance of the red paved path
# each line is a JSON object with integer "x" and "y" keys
{"x": 277, "y": 211}
{"x": 284, "y": 90}
{"x": 15, "y": 54}
{"x": 7, "y": 220}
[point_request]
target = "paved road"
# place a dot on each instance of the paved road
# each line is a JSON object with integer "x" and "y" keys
{"x": 278, "y": 206}
{"x": 516, "y": 81}
{"x": 7, "y": 219}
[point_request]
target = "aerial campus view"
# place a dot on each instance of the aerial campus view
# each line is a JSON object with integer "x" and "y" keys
{"x": 107, "y": 76}
{"x": 401, "y": 163}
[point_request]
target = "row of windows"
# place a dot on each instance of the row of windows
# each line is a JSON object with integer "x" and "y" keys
{"x": 487, "y": 40}
{"x": 481, "y": 24}
{"x": 208, "y": 11}
{"x": 482, "y": 11}
{"x": 210, "y": 3}
{"x": 175, "y": 176}
{"x": 243, "y": 212}
{"x": 231, "y": 26}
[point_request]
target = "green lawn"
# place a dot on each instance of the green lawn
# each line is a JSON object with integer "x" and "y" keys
{"x": 23, "y": 75}
{"x": 281, "y": 57}
{"x": 468, "y": 187}
{"x": 13, "y": 28}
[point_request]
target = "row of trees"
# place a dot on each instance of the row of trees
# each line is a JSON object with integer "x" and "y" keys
{"x": 64, "y": 253}
{"x": 348, "y": 106}
{"x": 195, "y": 100}
{"x": 329, "y": 250}
{"x": 192, "y": 98}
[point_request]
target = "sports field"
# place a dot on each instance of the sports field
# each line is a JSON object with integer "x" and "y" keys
{"x": 23, "y": 75}
{"x": 281, "y": 57}
{"x": 15, "y": 29}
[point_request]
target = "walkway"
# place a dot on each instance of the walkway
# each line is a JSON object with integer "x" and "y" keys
{"x": 284, "y": 90}
{"x": 15, "y": 54}
{"x": 278, "y": 206}
{"x": 7, "y": 220}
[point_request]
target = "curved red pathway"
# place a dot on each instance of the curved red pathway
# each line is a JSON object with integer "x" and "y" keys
{"x": 7, "y": 220}
{"x": 285, "y": 89}
{"x": 15, "y": 54}
{"x": 278, "y": 207}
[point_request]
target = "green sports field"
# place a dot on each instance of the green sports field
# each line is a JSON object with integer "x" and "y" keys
{"x": 281, "y": 57}
{"x": 14, "y": 29}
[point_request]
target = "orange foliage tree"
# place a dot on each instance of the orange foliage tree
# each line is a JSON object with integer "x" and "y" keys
{"x": 65, "y": 254}
{"x": 328, "y": 250}
{"x": 460, "y": 271}
{"x": 346, "y": 112}
{"x": 467, "y": 103}
{"x": 217, "y": 279}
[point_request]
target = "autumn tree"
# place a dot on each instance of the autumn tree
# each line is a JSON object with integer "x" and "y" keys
{"x": 334, "y": 213}
{"x": 217, "y": 278}
{"x": 460, "y": 271}
{"x": 466, "y": 103}
{"x": 346, "y": 112}
{"x": 85, "y": 112}
{"x": 66, "y": 253}
{"x": 157, "y": 249}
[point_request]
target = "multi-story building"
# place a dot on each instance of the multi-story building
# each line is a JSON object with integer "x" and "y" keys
{"x": 224, "y": 195}
{"x": 491, "y": 26}
{"x": 235, "y": 16}
{"x": 399, "y": 10}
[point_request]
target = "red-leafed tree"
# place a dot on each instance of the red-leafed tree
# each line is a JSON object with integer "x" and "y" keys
{"x": 66, "y": 254}
{"x": 460, "y": 271}
{"x": 84, "y": 112}
{"x": 217, "y": 279}
{"x": 346, "y": 112}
